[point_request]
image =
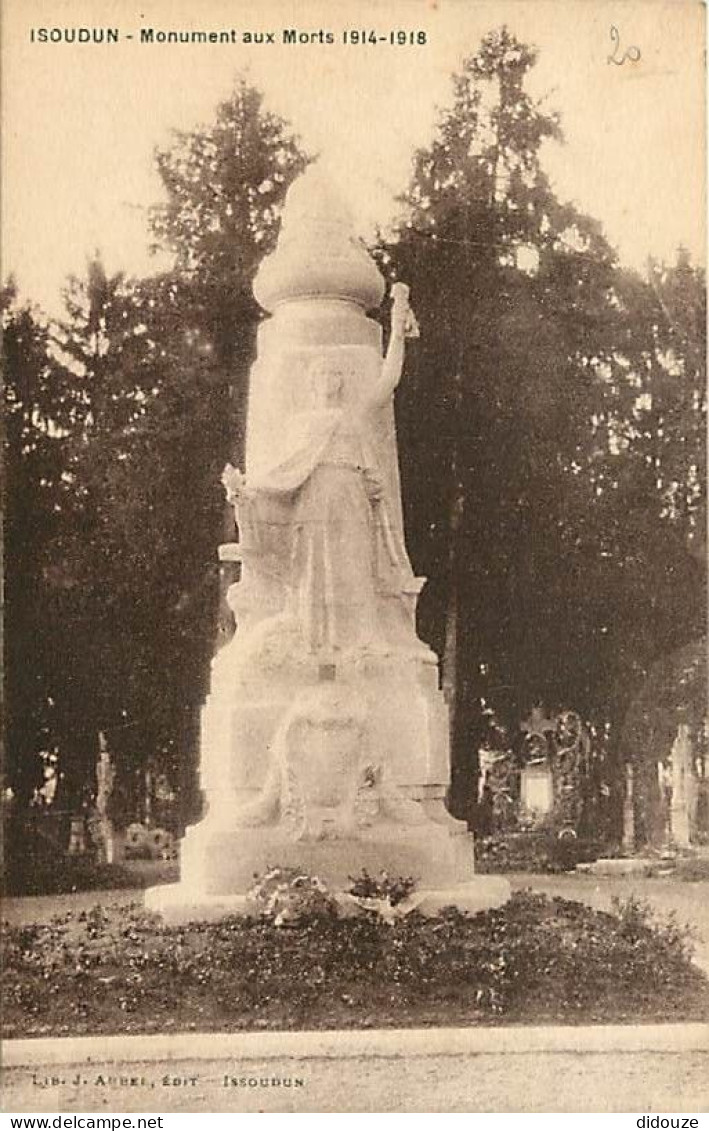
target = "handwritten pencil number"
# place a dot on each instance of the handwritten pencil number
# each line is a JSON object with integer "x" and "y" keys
{"x": 631, "y": 54}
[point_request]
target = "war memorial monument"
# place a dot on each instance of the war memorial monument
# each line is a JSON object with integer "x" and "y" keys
{"x": 325, "y": 735}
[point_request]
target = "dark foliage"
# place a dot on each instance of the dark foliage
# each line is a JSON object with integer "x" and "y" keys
{"x": 119, "y": 422}
{"x": 37, "y": 863}
{"x": 551, "y": 424}
{"x": 534, "y": 852}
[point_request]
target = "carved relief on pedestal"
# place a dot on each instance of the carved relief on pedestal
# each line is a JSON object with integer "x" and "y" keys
{"x": 325, "y": 781}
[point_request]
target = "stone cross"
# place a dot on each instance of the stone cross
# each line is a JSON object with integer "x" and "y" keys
{"x": 537, "y": 723}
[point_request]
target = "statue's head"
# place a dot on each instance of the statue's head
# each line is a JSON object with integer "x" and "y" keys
{"x": 326, "y": 381}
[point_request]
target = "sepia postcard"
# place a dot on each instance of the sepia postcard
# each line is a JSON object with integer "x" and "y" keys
{"x": 356, "y": 743}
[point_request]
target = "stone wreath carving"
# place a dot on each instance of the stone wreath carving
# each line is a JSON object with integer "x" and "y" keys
{"x": 324, "y": 782}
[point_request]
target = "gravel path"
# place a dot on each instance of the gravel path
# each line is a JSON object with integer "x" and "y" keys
{"x": 558, "y": 1082}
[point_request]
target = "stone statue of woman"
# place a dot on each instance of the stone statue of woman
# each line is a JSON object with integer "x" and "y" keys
{"x": 346, "y": 546}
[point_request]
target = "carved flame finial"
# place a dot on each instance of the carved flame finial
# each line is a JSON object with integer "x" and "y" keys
{"x": 318, "y": 254}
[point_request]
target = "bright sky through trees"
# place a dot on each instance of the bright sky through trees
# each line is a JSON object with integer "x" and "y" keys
{"x": 82, "y": 122}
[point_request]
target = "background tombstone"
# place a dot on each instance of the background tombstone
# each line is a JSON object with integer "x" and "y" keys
{"x": 537, "y": 781}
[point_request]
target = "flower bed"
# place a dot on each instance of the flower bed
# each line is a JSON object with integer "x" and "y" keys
{"x": 532, "y": 961}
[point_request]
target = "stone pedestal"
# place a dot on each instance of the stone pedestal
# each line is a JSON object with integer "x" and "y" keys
{"x": 325, "y": 734}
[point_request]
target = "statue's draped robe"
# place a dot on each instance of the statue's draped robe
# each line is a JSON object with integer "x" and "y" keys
{"x": 337, "y": 482}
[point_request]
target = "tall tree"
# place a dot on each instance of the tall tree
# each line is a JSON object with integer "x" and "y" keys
{"x": 158, "y": 373}
{"x": 524, "y": 331}
{"x": 645, "y": 492}
{"x": 137, "y": 570}
{"x": 225, "y": 185}
{"x": 40, "y": 403}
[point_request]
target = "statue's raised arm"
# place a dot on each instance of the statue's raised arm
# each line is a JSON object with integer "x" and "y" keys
{"x": 403, "y": 326}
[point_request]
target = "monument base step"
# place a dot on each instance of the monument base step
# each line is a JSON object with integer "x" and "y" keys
{"x": 219, "y": 859}
{"x": 180, "y": 903}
